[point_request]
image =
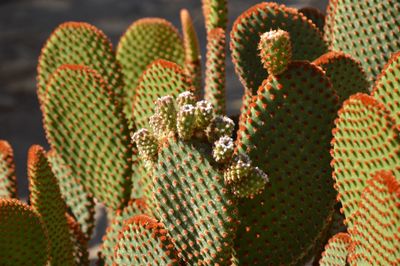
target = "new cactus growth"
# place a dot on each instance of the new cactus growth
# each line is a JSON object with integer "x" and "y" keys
{"x": 129, "y": 129}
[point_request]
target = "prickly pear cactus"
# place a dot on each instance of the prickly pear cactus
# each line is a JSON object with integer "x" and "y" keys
{"x": 46, "y": 199}
{"x": 367, "y": 30}
{"x": 8, "y": 179}
{"x": 144, "y": 241}
{"x": 287, "y": 133}
{"x": 90, "y": 134}
{"x": 315, "y": 15}
{"x": 336, "y": 251}
{"x": 200, "y": 215}
{"x": 23, "y": 235}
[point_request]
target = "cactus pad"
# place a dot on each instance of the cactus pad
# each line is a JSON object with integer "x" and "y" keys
{"x": 307, "y": 42}
{"x": 376, "y": 232}
{"x": 387, "y": 87}
{"x": 159, "y": 79}
{"x": 215, "y": 14}
{"x": 79, "y": 241}
{"x": 144, "y": 241}
{"x": 215, "y": 70}
{"x": 367, "y": 30}
{"x": 287, "y": 134}
{"x": 315, "y": 15}
{"x": 46, "y": 199}
{"x": 364, "y": 142}
{"x": 23, "y": 236}
{"x": 345, "y": 73}
{"x": 78, "y": 43}
{"x": 8, "y": 179}
{"x": 88, "y": 130}
{"x": 79, "y": 202}
{"x": 110, "y": 239}
{"x": 192, "y": 50}
{"x": 144, "y": 41}
{"x": 336, "y": 251}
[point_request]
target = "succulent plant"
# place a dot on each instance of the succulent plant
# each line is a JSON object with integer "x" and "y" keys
{"x": 130, "y": 129}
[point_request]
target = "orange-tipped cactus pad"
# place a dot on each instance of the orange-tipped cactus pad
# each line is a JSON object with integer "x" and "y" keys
{"x": 364, "y": 142}
{"x": 145, "y": 241}
{"x": 79, "y": 241}
{"x": 88, "y": 130}
{"x": 159, "y": 79}
{"x": 143, "y": 42}
{"x": 345, "y": 73}
{"x": 376, "y": 233}
{"x": 287, "y": 133}
{"x": 78, "y": 200}
{"x": 46, "y": 199}
{"x": 336, "y": 251}
{"x": 8, "y": 179}
{"x": 215, "y": 14}
{"x": 367, "y": 30}
{"x": 315, "y": 15}
{"x": 110, "y": 239}
{"x": 307, "y": 42}
{"x": 194, "y": 204}
{"x": 78, "y": 43}
{"x": 387, "y": 87}
{"x": 23, "y": 236}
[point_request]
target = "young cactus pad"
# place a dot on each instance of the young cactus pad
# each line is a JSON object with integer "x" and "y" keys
{"x": 200, "y": 214}
{"x": 336, "y": 251}
{"x": 87, "y": 128}
{"x": 23, "y": 236}
{"x": 8, "y": 179}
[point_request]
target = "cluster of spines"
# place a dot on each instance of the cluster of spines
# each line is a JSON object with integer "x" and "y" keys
{"x": 8, "y": 179}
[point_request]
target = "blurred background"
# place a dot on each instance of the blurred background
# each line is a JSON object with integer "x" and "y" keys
{"x": 25, "y": 26}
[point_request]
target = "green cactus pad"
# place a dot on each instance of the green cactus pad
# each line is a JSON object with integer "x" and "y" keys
{"x": 144, "y": 41}
{"x": 79, "y": 202}
{"x": 79, "y": 240}
{"x": 159, "y": 79}
{"x": 79, "y": 44}
{"x": 367, "y": 30}
{"x": 192, "y": 50}
{"x": 8, "y": 179}
{"x": 387, "y": 87}
{"x": 110, "y": 239}
{"x": 315, "y": 15}
{"x": 215, "y": 70}
{"x": 287, "y": 134}
{"x": 23, "y": 236}
{"x": 88, "y": 130}
{"x": 364, "y": 142}
{"x": 345, "y": 73}
{"x": 336, "y": 251}
{"x": 215, "y": 14}
{"x": 144, "y": 241}
{"x": 46, "y": 199}
{"x": 307, "y": 42}
{"x": 200, "y": 214}
{"x": 376, "y": 233}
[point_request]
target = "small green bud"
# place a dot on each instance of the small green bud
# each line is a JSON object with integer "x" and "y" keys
{"x": 223, "y": 149}
{"x": 166, "y": 112}
{"x": 220, "y": 126}
{"x": 275, "y": 51}
{"x": 185, "y": 98}
{"x": 186, "y": 121}
{"x": 146, "y": 143}
{"x": 204, "y": 114}
{"x": 239, "y": 168}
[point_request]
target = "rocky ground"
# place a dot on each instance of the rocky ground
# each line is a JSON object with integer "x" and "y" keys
{"x": 24, "y": 27}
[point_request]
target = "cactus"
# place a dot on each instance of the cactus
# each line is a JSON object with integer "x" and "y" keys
{"x": 336, "y": 251}
{"x": 143, "y": 240}
{"x": 8, "y": 179}
{"x": 79, "y": 241}
{"x": 23, "y": 235}
{"x": 315, "y": 15}
{"x": 90, "y": 134}
{"x": 46, "y": 199}
{"x": 367, "y": 30}
{"x": 78, "y": 201}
